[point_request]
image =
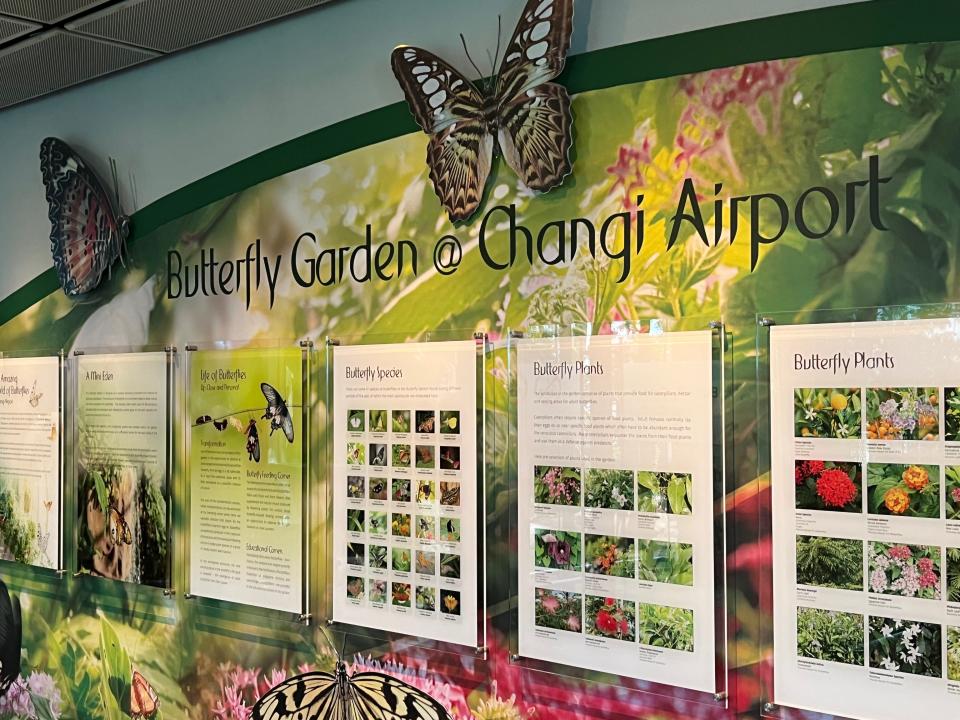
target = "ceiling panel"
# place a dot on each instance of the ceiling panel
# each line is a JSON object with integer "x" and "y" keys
{"x": 55, "y": 60}
{"x": 47, "y": 11}
{"x": 171, "y": 25}
{"x": 11, "y": 28}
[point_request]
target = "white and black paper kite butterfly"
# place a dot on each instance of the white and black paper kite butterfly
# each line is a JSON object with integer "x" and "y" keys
{"x": 525, "y": 114}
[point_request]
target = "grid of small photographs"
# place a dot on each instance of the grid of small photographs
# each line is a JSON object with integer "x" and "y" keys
{"x": 615, "y": 567}
{"x": 404, "y": 542}
{"x": 887, "y": 527}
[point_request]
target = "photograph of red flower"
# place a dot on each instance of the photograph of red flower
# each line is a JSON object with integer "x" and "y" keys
{"x": 826, "y": 485}
{"x": 611, "y": 618}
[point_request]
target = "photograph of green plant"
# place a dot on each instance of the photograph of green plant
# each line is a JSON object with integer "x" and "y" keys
{"x": 450, "y": 565}
{"x": 355, "y": 520}
{"x": 665, "y": 626}
{"x": 903, "y": 414}
{"x": 827, "y": 412}
{"x": 905, "y": 570}
{"x": 610, "y": 489}
{"x": 951, "y": 414}
{"x": 830, "y": 562}
{"x": 826, "y": 485}
{"x": 953, "y": 654}
{"x": 830, "y": 635}
{"x": 664, "y": 492}
{"x": 610, "y": 618}
{"x": 18, "y": 535}
{"x": 556, "y": 485}
{"x": 609, "y": 555}
{"x": 905, "y": 646}
{"x": 665, "y": 562}
{"x": 558, "y": 610}
{"x": 356, "y": 420}
{"x": 907, "y": 490}
{"x": 401, "y": 421}
{"x": 558, "y": 549}
{"x": 952, "y": 592}
{"x": 951, "y": 477}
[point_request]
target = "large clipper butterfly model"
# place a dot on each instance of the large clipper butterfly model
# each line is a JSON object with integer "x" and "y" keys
{"x": 525, "y": 114}
{"x": 87, "y": 235}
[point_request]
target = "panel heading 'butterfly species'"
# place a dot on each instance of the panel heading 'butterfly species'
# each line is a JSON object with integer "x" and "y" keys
{"x": 277, "y": 412}
{"x": 341, "y": 696}
{"x": 143, "y": 698}
{"x": 11, "y": 637}
{"x": 87, "y": 234}
{"x": 528, "y": 115}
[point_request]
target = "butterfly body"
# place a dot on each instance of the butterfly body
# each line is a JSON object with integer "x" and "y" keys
{"x": 120, "y": 531}
{"x": 253, "y": 441}
{"x": 524, "y": 117}
{"x": 87, "y": 234}
{"x": 341, "y": 696}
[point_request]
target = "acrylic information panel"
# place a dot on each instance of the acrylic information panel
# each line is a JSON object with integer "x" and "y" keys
{"x": 122, "y": 461}
{"x": 30, "y": 444}
{"x": 405, "y": 489}
{"x": 865, "y": 472}
{"x": 615, "y": 482}
{"x": 246, "y": 476}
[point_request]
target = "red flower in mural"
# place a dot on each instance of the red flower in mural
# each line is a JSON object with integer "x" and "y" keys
{"x": 835, "y": 488}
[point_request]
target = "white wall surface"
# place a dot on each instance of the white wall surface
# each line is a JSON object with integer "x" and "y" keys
{"x": 181, "y": 118}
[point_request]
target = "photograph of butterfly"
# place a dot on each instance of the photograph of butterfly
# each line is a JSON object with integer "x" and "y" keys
{"x": 342, "y": 695}
{"x": 119, "y": 528}
{"x": 517, "y": 112}
{"x": 88, "y": 231}
{"x": 277, "y": 413}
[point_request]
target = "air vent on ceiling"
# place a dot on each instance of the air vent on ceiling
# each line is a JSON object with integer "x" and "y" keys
{"x": 171, "y": 25}
{"x": 55, "y": 60}
{"x": 47, "y": 11}
{"x": 11, "y": 28}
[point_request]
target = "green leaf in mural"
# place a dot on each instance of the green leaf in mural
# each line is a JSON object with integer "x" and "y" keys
{"x": 855, "y": 81}
{"x": 115, "y": 671}
{"x": 103, "y": 495}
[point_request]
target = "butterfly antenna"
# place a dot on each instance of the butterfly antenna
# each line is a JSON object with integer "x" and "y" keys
{"x": 122, "y": 219}
{"x": 496, "y": 55}
{"x": 463, "y": 40}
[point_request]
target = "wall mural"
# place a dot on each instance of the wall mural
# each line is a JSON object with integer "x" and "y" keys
{"x": 793, "y": 184}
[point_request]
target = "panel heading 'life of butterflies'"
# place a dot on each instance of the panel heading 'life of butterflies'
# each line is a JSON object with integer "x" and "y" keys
{"x": 525, "y": 114}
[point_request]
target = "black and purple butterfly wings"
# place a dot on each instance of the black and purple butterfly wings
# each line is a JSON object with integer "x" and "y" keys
{"x": 525, "y": 115}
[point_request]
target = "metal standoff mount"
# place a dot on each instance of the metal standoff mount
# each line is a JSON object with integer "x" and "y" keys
{"x": 304, "y": 618}
{"x": 767, "y": 322}
{"x": 721, "y": 696}
{"x": 190, "y": 348}
{"x": 169, "y": 592}
{"x": 716, "y": 324}
{"x": 769, "y": 707}
{"x": 332, "y": 342}
{"x": 306, "y": 344}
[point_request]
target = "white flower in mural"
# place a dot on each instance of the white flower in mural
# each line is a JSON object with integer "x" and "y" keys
{"x": 124, "y": 321}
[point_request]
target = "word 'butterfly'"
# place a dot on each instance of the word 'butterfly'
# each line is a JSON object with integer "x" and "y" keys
{"x": 87, "y": 235}
{"x": 526, "y": 115}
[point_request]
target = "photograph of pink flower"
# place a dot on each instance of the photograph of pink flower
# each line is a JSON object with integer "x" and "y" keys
{"x": 558, "y": 610}
{"x": 905, "y": 570}
{"x": 556, "y": 485}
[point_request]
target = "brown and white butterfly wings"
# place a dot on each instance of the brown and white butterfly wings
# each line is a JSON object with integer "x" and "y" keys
{"x": 311, "y": 696}
{"x": 534, "y": 118}
{"x": 381, "y": 697}
{"x": 450, "y": 109}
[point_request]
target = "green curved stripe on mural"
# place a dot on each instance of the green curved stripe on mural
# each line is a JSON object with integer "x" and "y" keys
{"x": 845, "y": 27}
